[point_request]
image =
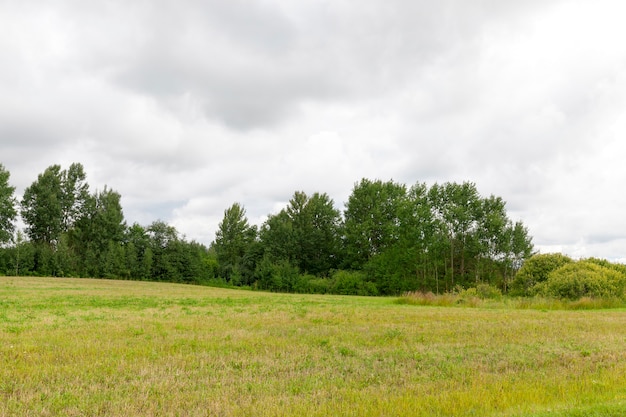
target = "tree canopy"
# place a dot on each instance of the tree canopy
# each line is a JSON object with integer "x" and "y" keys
{"x": 388, "y": 238}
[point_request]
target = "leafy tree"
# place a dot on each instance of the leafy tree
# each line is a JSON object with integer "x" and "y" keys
{"x": 519, "y": 247}
{"x": 456, "y": 208}
{"x": 8, "y": 213}
{"x": 99, "y": 231}
{"x": 233, "y": 241}
{"x": 371, "y": 220}
{"x": 305, "y": 233}
{"x": 536, "y": 271}
{"x": 138, "y": 252}
{"x": 74, "y": 195}
{"x": 42, "y": 208}
{"x": 54, "y": 202}
{"x": 278, "y": 238}
{"x": 574, "y": 280}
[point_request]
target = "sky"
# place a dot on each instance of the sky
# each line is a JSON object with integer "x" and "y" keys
{"x": 185, "y": 107}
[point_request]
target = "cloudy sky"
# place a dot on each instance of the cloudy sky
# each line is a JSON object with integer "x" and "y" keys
{"x": 185, "y": 107}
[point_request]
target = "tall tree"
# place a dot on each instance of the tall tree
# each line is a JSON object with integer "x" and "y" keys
{"x": 54, "y": 202}
{"x": 8, "y": 213}
{"x": 372, "y": 220}
{"x": 99, "y": 228}
{"x": 233, "y": 240}
{"x": 306, "y": 233}
{"x": 163, "y": 239}
{"x": 42, "y": 207}
{"x": 456, "y": 207}
{"x": 74, "y": 195}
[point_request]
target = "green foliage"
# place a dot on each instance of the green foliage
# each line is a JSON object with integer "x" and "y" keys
{"x": 488, "y": 292}
{"x": 74, "y": 233}
{"x": 372, "y": 218}
{"x": 394, "y": 239}
{"x": 234, "y": 245}
{"x": 8, "y": 213}
{"x": 535, "y": 271}
{"x": 277, "y": 276}
{"x": 584, "y": 279}
{"x": 306, "y": 233}
{"x": 352, "y": 283}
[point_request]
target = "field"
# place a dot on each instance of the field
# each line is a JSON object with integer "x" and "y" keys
{"x": 77, "y": 347}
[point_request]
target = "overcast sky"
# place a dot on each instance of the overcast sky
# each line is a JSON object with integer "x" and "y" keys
{"x": 185, "y": 107}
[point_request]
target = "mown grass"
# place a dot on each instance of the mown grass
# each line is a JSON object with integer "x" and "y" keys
{"x": 74, "y": 347}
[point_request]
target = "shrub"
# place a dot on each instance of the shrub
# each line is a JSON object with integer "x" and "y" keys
{"x": 536, "y": 271}
{"x": 488, "y": 292}
{"x": 584, "y": 279}
{"x": 352, "y": 283}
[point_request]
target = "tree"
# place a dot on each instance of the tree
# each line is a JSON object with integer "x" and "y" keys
{"x": 233, "y": 240}
{"x": 74, "y": 195}
{"x": 371, "y": 220}
{"x": 99, "y": 230}
{"x": 306, "y": 233}
{"x": 456, "y": 208}
{"x": 162, "y": 240}
{"x": 41, "y": 207}
{"x": 54, "y": 203}
{"x": 316, "y": 225}
{"x": 519, "y": 247}
{"x": 8, "y": 213}
{"x": 536, "y": 271}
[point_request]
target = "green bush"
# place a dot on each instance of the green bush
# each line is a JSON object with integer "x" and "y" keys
{"x": 319, "y": 285}
{"x": 352, "y": 283}
{"x": 488, "y": 292}
{"x": 584, "y": 279}
{"x": 536, "y": 271}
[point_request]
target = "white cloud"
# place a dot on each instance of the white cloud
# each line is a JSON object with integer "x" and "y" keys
{"x": 187, "y": 107}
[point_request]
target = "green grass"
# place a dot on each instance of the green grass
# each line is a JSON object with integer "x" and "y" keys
{"x": 75, "y": 347}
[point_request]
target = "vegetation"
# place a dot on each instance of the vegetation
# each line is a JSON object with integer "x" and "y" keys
{"x": 556, "y": 276}
{"x": 121, "y": 348}
{"x": 389, "y": 239}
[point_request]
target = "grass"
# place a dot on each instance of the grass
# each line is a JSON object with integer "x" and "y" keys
{"x": 470, "y": 299}
{"x": 74, "y": 347}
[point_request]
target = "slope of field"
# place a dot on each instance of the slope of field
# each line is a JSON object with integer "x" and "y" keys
{"x": 76, "y": 347}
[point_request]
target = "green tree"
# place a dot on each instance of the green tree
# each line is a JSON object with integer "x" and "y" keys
{"x": 519, "y": 247}
{"x": 54, "y": 203}
{"x": 456, "y": 208}
{"x": 74, "y": 195}
{"x": 163, "y": 238}
{"x": 233, "y": 241}
{"x": 372, "y": 219}
{"x": 138, "y": 252}
{"x": 306, "y": 233}
{"x": 536, "y": 271}
{"x": 8, "y": 213}
{"x": 41, "y": 207}
{"x": 99, "y": 231}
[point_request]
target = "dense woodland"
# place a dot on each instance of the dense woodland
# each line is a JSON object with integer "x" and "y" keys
{"x": 389, "y": 238}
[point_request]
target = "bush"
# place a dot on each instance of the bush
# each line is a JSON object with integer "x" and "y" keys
{"x": 488, "y": 292}
{"x": 352, "y": 283}
{"x": 277, "y": 276}
{"x": 584, "y": 279}
{"x": 536, "y": 271}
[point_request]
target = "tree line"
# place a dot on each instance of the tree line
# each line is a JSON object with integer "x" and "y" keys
{"x": 388, "y": 239}
{"x": 72, "y": 232}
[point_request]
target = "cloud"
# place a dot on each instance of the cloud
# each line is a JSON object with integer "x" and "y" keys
{"x": 186, "y": 107}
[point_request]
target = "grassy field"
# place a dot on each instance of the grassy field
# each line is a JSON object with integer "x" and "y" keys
{"x": 77, "y": 347}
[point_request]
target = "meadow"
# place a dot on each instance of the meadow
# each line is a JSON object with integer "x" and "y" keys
{"x": 76, "y": 347}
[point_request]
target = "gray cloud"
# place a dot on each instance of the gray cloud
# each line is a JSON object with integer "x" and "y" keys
{"x": 186, "y": 107}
